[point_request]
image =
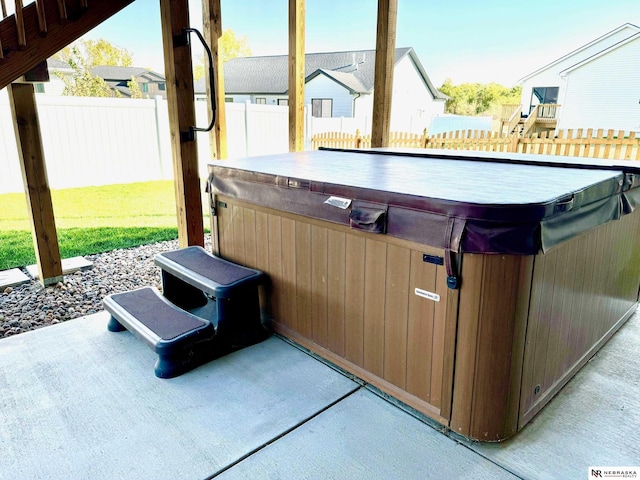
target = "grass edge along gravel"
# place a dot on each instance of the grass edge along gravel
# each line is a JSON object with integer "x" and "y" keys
{"x": 92, "y": 220}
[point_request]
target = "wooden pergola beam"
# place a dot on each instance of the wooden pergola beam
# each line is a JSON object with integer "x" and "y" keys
{"x": 296, "y": 75}
{"x": 174, "y": 15}
{"x": 24, "y": 111}
{"x": 212, "y": 25}
{"x": 383, "y": 77}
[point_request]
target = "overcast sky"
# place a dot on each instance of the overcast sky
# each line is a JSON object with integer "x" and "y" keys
{"x": 465, "y": 40}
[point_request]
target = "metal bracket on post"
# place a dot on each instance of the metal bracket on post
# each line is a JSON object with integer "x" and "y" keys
{"x": 181, "y": 40}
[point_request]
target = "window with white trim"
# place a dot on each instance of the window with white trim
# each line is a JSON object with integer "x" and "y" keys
{"x": 322, "y": 107}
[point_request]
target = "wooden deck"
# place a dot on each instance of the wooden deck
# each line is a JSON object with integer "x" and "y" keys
{"x": 81, "y": 402}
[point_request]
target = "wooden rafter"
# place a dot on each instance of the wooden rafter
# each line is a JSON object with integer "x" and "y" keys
{"x": 383, "y": 77}
{"x": 296, "y": 75}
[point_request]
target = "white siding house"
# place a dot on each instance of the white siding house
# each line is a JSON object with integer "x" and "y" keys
{"x": 546, "y": 85}
{"x": 413, "y": 105}
{"x": 334, "y": 99}
{"x": 603, "y": 91}
{"x": 337, "y": 85}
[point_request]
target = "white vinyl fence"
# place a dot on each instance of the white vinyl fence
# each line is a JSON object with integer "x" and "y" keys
{"x": 451, "y": 123}
{"x": 101, "y": 141}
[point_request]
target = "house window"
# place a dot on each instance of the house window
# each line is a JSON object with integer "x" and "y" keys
{"x": 228, "y": 99}
{"x": 38, "y": 87}
{"x": 261, "y": 101}
{"x": 283, "y": 101}
{"x": 145, "y": 88}
{"x": 322, "y": 107}
{"x": 544, "y": 95}
{"x": 162, "y": 86}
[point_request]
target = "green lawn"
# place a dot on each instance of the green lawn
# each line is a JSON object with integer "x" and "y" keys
{"x": 92, "y": 220}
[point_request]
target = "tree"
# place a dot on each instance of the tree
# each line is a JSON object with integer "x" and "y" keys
{"x": 96, "y": 52}
{"x": 477, "y": 98}
{"x": 82, "y": 57}
{"x": 231, "y": 46}
{"x": 134, "y": 88}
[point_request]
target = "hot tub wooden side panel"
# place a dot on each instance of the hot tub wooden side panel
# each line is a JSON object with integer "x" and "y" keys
{"x": 582, "y": 292}
{"x": 492, "y": 321}
{"x": 350, "y": 297}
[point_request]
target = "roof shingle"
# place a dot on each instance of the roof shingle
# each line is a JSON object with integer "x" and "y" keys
{"x": 269, "y": 74}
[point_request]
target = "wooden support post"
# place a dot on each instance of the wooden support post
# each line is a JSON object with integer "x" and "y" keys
{"x": 34, "y": 174}
{"x": 296, "y": 75}
{"x": 383, "y": 77}
{"x": 174, "y": 16}
{"x": 212, "y": 25}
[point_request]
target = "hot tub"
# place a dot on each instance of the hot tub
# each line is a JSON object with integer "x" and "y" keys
{"x": 471, "y": 287}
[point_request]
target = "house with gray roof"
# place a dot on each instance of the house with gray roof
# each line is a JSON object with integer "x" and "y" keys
{"x": 337, "y": 84}
{"x": 151, "y": 83}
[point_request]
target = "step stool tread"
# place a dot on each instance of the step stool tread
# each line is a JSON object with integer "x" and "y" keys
{"x": 147, "y": 307}
{"x": 213, "y": 274}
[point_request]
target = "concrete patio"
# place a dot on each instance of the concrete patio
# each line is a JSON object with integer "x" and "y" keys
{"x": 79, "y": 402}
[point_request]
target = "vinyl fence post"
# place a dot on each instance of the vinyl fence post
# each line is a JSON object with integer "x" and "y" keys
{"x": 156, "y": 106}
{"x": 247, "y": 104}
{"x": 308, "y": 133}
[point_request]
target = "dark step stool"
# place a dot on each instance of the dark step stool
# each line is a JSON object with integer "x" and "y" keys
{"x": 216, "y": 289}
{"x": 181, "y": 339}
{"x": 209, "y": 307}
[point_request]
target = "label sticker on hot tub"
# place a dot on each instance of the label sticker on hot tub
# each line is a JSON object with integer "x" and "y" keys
{"x": 425, "y": 294}
{"x": 339, "y": 202}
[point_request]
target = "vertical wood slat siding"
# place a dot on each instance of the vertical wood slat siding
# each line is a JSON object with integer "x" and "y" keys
{"x": 336, "y": 272}
{"x": 491, "y": 325}
{"x": 374, "y": 297}
{"x": 319, "y": 285}
{"x": 354, "y": 300}
{"x": 578, "y": 296}
{"x": 421, "y": 317}
{"x": 288, "y": 303}
{"x": 351, "y": 294}
{"x": 396, "y": 315}
{"x": 304, "y": 292}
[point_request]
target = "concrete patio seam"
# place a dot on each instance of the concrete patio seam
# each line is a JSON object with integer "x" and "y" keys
{"x": 283, "y": 434}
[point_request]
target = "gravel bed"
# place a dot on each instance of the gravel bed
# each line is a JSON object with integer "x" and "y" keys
{"x": 31, "y": 306}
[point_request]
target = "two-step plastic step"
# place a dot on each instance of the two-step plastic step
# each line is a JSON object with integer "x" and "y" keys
{"x": 209, "y": 307}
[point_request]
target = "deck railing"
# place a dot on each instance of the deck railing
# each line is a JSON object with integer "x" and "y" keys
{"x": 548, "y": 112}
{"x": 514, "y": 119}
{"x": 507, "y": 111}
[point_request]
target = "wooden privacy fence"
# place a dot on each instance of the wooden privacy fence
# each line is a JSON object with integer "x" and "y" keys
{"x": 356, "y": 140}
{"x": 600, "y": 143}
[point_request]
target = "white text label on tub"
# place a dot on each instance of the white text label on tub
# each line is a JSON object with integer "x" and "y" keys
{"x": 339, "y": 202}
{"x": 430, "y": 295}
